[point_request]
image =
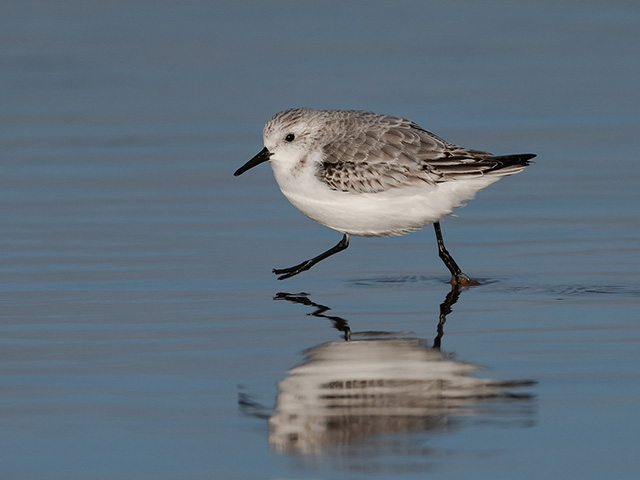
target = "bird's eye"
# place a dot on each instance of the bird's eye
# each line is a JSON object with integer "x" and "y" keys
{"x": 290, "y": 137}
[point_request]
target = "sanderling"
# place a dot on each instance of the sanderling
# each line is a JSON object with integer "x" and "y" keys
{"x": 366, "y": 174}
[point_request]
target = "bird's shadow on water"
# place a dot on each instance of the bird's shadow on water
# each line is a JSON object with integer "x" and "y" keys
{"x": 367, "y": 396}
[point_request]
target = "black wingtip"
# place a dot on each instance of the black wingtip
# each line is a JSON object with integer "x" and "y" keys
{"x": 514, "y": 159}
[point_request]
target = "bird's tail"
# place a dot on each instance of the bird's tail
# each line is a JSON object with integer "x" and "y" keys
{"x": 510, "y": 164}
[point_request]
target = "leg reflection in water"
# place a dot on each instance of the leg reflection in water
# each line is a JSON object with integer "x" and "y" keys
{"x": 341, "y": 324}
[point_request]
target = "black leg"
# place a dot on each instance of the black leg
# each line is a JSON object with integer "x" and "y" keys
{"x": 457, "y": 277}
{"x": 306, "y": 265}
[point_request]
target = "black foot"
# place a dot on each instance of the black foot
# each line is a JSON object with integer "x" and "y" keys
{"x": 291, "y": 271}
{"x": 462, "y": 280}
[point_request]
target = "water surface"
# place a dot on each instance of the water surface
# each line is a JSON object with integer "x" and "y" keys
{"x": 142, "y": 333}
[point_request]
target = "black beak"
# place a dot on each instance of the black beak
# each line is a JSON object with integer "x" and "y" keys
{"x": 261, "y": 157}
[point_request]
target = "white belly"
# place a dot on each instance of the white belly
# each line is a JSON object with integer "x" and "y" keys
{"x": 393, "y": 212}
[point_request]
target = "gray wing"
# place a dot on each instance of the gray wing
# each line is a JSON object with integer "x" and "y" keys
{"x": 393, "y": 152}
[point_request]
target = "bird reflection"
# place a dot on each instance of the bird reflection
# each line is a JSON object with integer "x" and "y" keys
{"x": 348, "y": 392}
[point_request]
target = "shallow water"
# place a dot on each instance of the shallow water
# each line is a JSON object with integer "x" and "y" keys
{"x": 142, "y": 334}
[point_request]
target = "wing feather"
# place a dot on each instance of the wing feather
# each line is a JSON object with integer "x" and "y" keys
{"x": 381, "y": 152}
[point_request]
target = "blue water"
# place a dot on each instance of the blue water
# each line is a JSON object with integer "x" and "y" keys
{"x": 142, "y": 333}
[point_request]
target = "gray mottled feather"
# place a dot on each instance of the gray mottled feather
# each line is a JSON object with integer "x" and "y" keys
{"x": 369, "y": 153}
